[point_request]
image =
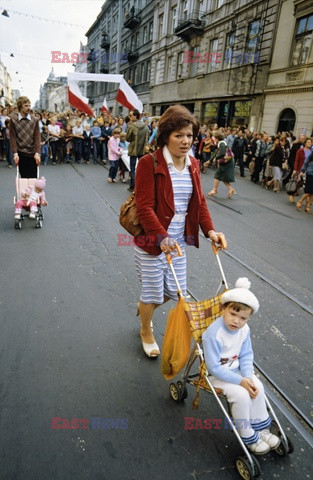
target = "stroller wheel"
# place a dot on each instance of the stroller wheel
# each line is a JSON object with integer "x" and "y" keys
{"x": 17, "y": 224}
{"x": 244, "y": 469}
{"x": 282, "y": 451}
{"x": 183, "y": 390}
{"x": 39, "y": 224}
{"x": 175, "y": 392}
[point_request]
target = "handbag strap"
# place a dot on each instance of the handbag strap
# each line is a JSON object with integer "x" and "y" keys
{"x": 155, "y": 163}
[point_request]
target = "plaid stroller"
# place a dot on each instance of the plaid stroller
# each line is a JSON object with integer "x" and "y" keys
{"x": 200, "y": 315}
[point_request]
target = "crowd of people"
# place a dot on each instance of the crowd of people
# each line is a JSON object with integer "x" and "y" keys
{"x": 271, "y": 160}
{"x": 72, "y": 136}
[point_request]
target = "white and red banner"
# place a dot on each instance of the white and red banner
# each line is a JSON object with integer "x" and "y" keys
{"x": 76, "y": 99}
{"x": 104, "y": 107}
{"x": 125, "y": 94}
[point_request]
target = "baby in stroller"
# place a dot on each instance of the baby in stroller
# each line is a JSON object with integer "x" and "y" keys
{"x": 229, "y": 360}
{"x": 30, "y": 198}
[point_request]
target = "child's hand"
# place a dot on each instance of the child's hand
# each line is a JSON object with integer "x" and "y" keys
{"x": 250, "y": 387}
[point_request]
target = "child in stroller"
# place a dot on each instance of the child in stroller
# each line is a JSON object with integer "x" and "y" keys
{"x": 229, "y": 360}
{"x": 31, "y": 197}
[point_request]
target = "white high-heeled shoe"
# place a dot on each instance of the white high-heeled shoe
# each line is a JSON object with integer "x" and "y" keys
{"x": 151, "y": 349}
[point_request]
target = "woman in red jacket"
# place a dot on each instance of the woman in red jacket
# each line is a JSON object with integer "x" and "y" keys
{"x": 170, "y": 206}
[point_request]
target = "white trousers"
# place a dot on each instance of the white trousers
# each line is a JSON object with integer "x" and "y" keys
{"x": 249, "y": 414}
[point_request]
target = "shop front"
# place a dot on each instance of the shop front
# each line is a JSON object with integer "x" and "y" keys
{"x": 227, "y": 113}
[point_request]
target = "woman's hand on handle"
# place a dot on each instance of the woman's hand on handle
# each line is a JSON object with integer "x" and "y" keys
{"x": 218, "y": 238}
{"x": 168, "y": 245}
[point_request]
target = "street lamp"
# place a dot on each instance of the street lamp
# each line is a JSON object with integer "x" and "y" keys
{"x": 5, "y": 13}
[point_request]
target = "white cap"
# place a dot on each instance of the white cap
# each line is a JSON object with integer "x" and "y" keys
{"x": 242, "y": 294}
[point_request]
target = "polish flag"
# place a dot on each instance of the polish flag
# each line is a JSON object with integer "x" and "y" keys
{"x": 127, "y": 97}
{"x": 104, "y": 107}
{"x": 76, "y": 99}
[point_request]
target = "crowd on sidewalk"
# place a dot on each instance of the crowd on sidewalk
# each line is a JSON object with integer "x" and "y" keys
{"x": 272, "y": 160}
{"x": 71, "y": 136}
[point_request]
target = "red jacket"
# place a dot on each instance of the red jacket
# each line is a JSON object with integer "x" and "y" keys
{"x": 155, "y": 204}
{"x": 300, "y": 157}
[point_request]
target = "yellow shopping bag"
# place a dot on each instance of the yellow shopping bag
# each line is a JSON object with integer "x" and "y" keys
{"x": 176, "y": 343}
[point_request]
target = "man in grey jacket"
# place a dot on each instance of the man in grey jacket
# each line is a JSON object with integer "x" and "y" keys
{"x": 137, "y": 136}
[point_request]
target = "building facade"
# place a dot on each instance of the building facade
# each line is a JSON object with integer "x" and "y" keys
{"x": 50, "y": 88}
{"x": 5, "y": 86}
{"x": 81, "y": 67}
{"x": 213, "y": 56}
{"x": 225, "y": 60}
{"x": 289, "y": 91}
{"x": 119, "y": 42}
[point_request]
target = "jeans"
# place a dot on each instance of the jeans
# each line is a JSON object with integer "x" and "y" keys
{"x": 113, "y": 169}
{"x": 257, "y": 169}
{"x": 45, "y": 153}
{"x": 96, "y": 149}
{"x": 78, "y": 143}
{"x": 133, "y": 161}
{"x": 54, "y": 150}
{"x": 104, "y": 151}
{"x": 8, "y": 152}
{"x": 87, "y": 152}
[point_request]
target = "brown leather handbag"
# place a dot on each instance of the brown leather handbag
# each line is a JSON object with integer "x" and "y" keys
{"x": 128, "y": 213}
{"x": 128, "y": 216}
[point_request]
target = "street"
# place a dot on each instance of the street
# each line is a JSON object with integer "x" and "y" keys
{"x": 70, "y": 345}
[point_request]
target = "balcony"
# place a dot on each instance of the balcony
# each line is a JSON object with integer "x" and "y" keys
{"x": 105, "y": 42}
{"x": 104, "y": 68}
{"x": 132, "y": 54}
{"x": 190, "y": 26}
{"x": 132, "y": 19}
{"x": 91, "y": 56}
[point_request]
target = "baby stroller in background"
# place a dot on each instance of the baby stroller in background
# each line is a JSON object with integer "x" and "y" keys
{"x": 21, "y": 184}
{"x": 200, "y": 315}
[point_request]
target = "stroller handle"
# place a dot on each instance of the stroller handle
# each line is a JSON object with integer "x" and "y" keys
{"x": 169, "y": 255}
{"x": 221, "y": 245}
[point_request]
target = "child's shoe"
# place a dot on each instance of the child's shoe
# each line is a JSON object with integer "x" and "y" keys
{"x": 260, "y": 447}
{"x": 272, "y": 440}
{"x": 17, "y": 216}
{"x": 32, "y": 215}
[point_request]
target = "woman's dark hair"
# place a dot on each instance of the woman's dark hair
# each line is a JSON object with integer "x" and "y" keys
{"x": 173, "y": 119}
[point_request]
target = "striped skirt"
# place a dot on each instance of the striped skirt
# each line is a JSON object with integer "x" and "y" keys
{"x": 156, "y": 277}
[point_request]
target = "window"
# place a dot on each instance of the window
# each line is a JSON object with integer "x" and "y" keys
{"x": 195, "y": 63}
{"x": 219, "y": 3}
{"x": 169, "y": 69}
{"x": 174, "y": 18}
{"x": 135, "y": 75}
{"x": 148, "y": 71}
{"x": 303, "y": 40}
{"x": 186, "y": 8}
{"x": 214, "y": 57}
{"x": 143, "y": 72}
{"x": 160, "y": 26}
{"x": 158, "y": 72}
{"x": 253, "y": 38}
{"x": 180, "y": 64}
{"x": 229, "y": 49}
{"x": 145, "y": 34}
{"x": 150, "y": 30}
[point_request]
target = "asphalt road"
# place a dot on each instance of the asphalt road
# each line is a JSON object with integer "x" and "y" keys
{"x": 69, "y": 345}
